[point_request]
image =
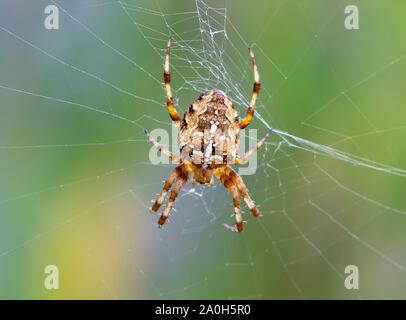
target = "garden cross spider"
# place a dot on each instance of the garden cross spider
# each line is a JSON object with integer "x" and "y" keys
{"x": 208, "y": 142}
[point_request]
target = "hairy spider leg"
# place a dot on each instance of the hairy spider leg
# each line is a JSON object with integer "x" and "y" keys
{"x": 160, "y": 148}
{"x": 252, "y": 150}
{"x": 167, "y": 77}
{"x": 250, "y": 113}
{"x": 226, "y": 181}
{"x": 168, "y": 184}
{"x": 237, "y": 180}
{"x": 180, "y": 182}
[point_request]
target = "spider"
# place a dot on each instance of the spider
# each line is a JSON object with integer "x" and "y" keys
{"x": 208, "y": 143}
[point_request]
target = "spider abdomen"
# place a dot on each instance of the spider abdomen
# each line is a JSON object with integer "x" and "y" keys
{"x": 209, "y": 131}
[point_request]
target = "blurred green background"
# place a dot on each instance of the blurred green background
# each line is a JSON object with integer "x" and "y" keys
{"x": 76, "y": 181}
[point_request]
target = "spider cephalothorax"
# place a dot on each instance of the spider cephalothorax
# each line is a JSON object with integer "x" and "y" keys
{"x": 208, "y": 143}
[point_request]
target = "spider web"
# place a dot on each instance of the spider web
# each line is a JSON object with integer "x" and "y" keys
{"x": 77, "y": 181}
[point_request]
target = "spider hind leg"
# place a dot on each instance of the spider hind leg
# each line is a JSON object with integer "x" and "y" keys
{"x": 167, "y": 78}
{"x": 250, "y": 113}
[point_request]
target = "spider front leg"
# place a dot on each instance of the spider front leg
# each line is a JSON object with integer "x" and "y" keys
{"x": 251, "y": 151}
{"x": 167, "y": 77}
{"x": 236, "y": 199}
{"x": 250, "y": 113}
{"x": 237, "y": 180}
{"x": 168, "y": 184}
{"x": 180, "y": 182}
